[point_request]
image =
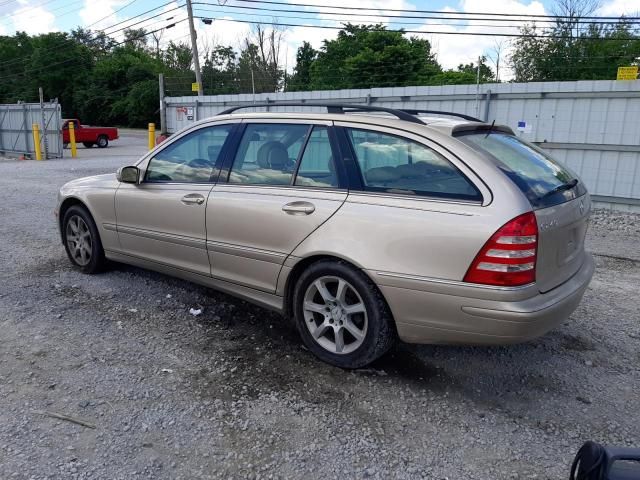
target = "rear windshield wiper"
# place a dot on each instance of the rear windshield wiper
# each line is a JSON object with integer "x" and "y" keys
{"x": 561, "y": 188}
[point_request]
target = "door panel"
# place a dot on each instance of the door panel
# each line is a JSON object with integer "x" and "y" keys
{"x": 282, "y": 185}
{"x": 250, "y": 235}
{"x": 163, "y": 218}
{"x": 164, "y": 223}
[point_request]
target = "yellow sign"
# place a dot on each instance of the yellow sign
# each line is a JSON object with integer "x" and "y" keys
{"x": 627, "y": 73}
{"x": 194, "y": 87}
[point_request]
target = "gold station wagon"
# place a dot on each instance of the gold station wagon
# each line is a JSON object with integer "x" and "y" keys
{"x": 362, "y": 224}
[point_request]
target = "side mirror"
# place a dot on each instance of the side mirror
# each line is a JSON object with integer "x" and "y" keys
{"x": 128, "y": 174}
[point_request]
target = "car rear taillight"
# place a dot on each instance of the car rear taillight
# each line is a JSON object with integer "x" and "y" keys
{"x": 509, "y": 257}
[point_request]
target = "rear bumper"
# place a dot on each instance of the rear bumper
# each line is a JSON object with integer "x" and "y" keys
{"x": 428, "y": 311}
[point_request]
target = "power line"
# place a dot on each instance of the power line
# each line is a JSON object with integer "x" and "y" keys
{"x": 447, "y": 24}
{"x": 113, "y": 13}
{"x": 11, "y": 17}
{"x": 424, "y": 32}
{"x": 139, "y": 15}
{"x": 384, "y": 9}
{"x": 129, "y": 26}
{"x": 412, "y": 17}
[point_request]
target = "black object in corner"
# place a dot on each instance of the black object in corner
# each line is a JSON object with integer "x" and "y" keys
{"x": 597, "y": 462}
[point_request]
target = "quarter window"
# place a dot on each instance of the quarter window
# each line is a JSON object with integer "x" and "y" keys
{"x": 394, "y": 164}
{"x": 191, "y": 159}
{"x": 268, "y": 153}
{"x": 316, "y": 167}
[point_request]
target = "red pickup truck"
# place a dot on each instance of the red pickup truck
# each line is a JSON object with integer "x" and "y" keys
{"x": 89, "y": 136}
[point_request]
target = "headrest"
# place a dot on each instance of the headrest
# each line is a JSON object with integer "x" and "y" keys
{"x": 273, "y": 155}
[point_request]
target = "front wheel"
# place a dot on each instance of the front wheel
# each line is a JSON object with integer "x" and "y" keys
{"x": 82, "y": 241}
{"x": 103, "y": 142}
{"x": 341, "y": 316}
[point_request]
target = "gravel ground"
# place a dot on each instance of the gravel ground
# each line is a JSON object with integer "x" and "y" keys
{"x": 232, "y": 394}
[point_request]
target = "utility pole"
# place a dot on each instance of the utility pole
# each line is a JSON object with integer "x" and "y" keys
{"x": 163, "y": 109}
{"x": 194, "y": 49}
{"x": 44, "y": 125}
{"x": 478, "y": 88}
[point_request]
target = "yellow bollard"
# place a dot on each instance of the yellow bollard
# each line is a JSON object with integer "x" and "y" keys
{"x": 152, "y": 135}
{"x": 36, "y": 141}
{"x": 72, "y": 140}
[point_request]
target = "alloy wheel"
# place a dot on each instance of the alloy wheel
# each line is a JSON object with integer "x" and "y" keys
{"x": 335, "y": 315}
{"x": 79, "y": 240}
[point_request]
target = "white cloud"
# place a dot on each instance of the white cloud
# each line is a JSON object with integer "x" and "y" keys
{"x": 91, "y": 15}
{"x": 620, "y": 7}
{"x": 453, "y": 50}
{"x": 315, "y": 36}
{"x": 33, "y": 20}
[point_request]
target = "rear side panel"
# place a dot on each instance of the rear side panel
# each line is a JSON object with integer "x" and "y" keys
{"x": 406, "y": 236}
{"x": 562, "y": 229}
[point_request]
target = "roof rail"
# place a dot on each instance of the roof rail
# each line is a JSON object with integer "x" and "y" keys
{"x": 413, "y": 111}
{"x": 333, "y": 108}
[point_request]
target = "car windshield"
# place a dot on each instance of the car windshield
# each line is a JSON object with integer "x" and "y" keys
{"x": 543, "y": 180}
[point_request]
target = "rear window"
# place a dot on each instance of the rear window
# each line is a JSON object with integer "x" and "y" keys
{"x": 394, "y": 164}
{"x": 535, "y": 172}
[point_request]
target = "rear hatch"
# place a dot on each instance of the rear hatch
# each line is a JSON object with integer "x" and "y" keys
{"x": 561, "y": 232}
{"x": 557, "y": 196}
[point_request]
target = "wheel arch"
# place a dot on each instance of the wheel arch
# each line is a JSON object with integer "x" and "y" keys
{"x": 302, "y": 264}
{"x": 66, "y": 204}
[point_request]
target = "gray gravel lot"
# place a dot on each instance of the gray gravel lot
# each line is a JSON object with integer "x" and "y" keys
{"x": 232, "y": 394}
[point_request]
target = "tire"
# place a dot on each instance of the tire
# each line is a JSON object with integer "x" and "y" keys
{"x": 367, "y": 332}
{"x": 65, "y": 145}
{"x": 103, "y": 142}
{"x": 87, "y": 144}
{"x": 84, "y": 251}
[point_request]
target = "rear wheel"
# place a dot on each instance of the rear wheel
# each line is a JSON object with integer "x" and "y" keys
{"x": 82, "y": 241}
{"x": 341, "y": 316}
{"x": 103, "y": 141}
{"x": 87, "y": 144}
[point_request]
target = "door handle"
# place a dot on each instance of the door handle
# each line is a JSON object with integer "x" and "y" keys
{"x": 299, "y": 208}
{"x": 193, "y": 199}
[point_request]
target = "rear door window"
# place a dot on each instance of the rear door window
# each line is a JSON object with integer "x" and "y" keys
{"x": 317, "y": 168}
{"x": 268, "y": 154}
{"x": 394, "y": 164}
{"x": 535, "y": 172}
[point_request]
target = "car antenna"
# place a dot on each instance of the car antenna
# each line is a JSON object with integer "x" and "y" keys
{"x": 490, "y": 128}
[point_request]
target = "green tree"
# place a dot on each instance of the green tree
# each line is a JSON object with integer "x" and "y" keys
{"x": 122, "y": 89}
{"x": 574, "y": 49}
{"x": 178, "y": 56}
{"x": 220, "y": 70}
{"x": 136, "y": 38}
{"x": 366, "y": 56}
{"x": 98, "y": 42}
{"x": 301, "y": 78}
{"x": 15, "y": 52}
{"x": 258, "y": 63}
{"x": 59, "y": 65}
{"x": 471, "y": 71}
{"x": 254, "y": 72}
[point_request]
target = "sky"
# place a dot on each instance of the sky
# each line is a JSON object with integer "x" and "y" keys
{"x": 40, "y": 16}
